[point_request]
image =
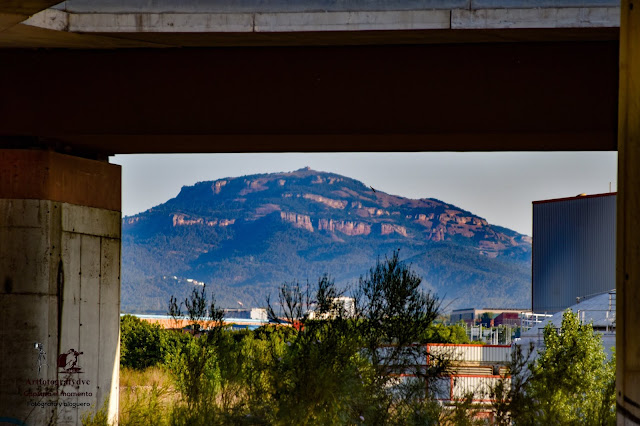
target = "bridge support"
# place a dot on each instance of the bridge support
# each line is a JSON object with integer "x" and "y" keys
{"x": 628, "y": 232}
{"x": 59, "y": 287}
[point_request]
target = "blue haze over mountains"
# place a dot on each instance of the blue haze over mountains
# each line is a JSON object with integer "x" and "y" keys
{"x": 245, "y": 236}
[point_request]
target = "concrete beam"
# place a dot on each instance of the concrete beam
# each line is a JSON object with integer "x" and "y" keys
{"x": 287, "y": 6}
{"x": 13, "y": 12}
{"x": 327, "y": 21}
{"x": 353, "y": 21}
{"x": 49, "y": 19}
{"x": 539, "y": 17}
{"x": 46, "y": 175}
{"x": 628, "y": 220}
{"x": 156, "y": 22}
{"x": 247, "y": 22}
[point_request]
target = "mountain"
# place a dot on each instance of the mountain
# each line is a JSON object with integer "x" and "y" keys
{"x": 244, "y": 236}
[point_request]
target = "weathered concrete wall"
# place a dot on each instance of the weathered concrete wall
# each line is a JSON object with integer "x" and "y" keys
{"x": 59, "y": 304}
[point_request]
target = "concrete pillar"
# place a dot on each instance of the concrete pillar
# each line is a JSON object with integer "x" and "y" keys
{"x": 59, "y": 287}
{"x": 628, "y": 220}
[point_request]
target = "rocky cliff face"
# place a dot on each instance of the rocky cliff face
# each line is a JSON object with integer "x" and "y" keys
{"x": 346, "y": 207}
{"x": 298, "y": 220}
{"x": 312, "y": 221}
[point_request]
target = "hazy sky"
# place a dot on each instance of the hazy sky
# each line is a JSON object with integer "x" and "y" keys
{"x": 497, "y": 186}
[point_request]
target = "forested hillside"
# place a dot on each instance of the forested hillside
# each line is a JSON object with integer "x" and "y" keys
{"x": 244, "y": 236}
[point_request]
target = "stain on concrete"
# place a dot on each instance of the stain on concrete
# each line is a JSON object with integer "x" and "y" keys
{"x": 8, "y": 285}
{"x": 60, "y": 282}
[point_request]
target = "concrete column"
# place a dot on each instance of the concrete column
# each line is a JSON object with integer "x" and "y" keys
{"x": 628, "y": 220}
{"x": 59, "y": 287}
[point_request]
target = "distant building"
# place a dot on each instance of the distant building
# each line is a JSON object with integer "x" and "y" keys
{"x": 474, "y": 369}
{"x": 471, "y": 369}
{"x": 473, "y": 315}
{"x": 529, "y": 319}
{"x": 235, "y": 319}
{"x": 508, "y": 318}
{"x": 599, "y": 311}
{"x": 246, "y": 313}
{"x": 343, "y": 303}
{"x": 574, "y": 252}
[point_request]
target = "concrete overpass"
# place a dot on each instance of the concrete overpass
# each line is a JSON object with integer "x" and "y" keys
{"x": 83, "y": 80}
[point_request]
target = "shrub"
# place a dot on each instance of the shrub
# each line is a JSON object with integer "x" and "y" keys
{"x": 142, "y": 344}
{"x": 571, "y": 381}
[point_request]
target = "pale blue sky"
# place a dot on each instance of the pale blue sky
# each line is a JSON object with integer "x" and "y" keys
{"x": 497, "y": 186}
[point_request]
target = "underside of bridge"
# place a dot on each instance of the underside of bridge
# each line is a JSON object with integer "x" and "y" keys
{"x": 460, "y": 97}
{"x": 70, "y": 99}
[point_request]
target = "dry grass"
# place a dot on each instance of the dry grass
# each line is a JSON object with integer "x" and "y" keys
{"x": 146, "y": 397}
{"x": 157, "y": 376}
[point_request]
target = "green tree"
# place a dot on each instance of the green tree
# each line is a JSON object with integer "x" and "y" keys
{"x": 339, "y": 366}
{"x": 317, "y": 371}
{"x": 393, "y": 315}
{"x": 570, "y": 383}
{"x": 142, "y": 344}
{"x": 485, "y": 318}
{"x": 440, "y": 333}
{"x": 364, "y": 362}
{"x": 194, "y": 364}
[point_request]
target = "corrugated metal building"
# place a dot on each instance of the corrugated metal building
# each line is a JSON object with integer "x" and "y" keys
{"x": 574, "y": 254}
{"x": 471, "y": 354}
{"x": 474, "y": 369}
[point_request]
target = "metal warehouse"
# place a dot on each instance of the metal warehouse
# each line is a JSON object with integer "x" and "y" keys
{"x": 574, "y": 251}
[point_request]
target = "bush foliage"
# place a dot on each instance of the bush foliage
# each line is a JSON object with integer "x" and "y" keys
{"x": 360, "y": 364}
{"x": 571, "y": 382}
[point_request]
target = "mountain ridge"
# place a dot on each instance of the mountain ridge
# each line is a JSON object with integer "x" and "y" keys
{"x": 245, "y": 235}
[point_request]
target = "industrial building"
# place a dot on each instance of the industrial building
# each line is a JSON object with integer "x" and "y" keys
{"x": 508, "y": 318}
{"x": 474, "y": 369}
{"x": 574, "y": 253}
{"x": 599, "y": 311}
{"x": 236, "y": 319}
{"x": 473, "y": 315}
